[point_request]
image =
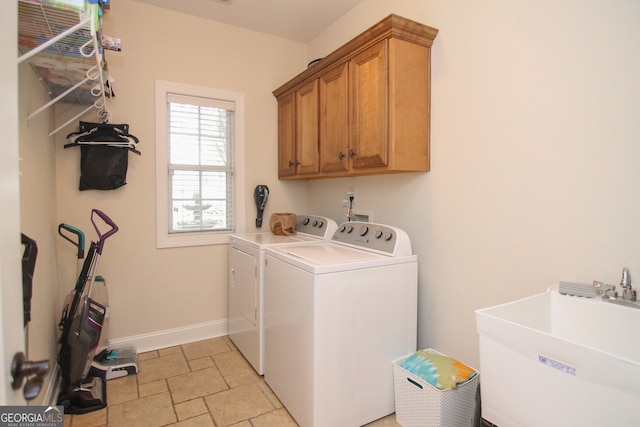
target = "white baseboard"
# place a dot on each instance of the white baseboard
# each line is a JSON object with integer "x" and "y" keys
{"x": 173, "y": 337}
{"x": 50, "y": 396}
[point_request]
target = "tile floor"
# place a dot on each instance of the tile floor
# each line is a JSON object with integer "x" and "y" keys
{"x": 201, "y": 384}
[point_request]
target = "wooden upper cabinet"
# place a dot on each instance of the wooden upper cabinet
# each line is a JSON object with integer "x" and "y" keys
{"x": 307, "y": 129}
{"x": 286, "y": 135}
{"x": 368, "y": 107}
{"x": 363, "y": 109}
{"x": 298, "y": 132}
{"x": 334, "y": 113}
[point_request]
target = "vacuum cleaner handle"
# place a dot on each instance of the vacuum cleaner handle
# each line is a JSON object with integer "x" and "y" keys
{"x": 28, "y": 267}
{"x": 79, "y": 243}
{"x": 103, "y": 237}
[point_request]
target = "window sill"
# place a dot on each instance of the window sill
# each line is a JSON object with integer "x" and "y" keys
{"x": 191, "y": 239}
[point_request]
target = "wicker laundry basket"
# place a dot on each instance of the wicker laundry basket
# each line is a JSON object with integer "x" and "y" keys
{"x": 283, "y": 224}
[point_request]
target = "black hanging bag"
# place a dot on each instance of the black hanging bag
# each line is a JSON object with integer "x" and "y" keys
{"x": 104, "y": 156}
{"x": 103, "y": 167}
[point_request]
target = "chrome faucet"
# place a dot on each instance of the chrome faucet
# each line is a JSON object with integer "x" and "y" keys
{"x": 609, "y": 293}
{"x": 628, "y": 293}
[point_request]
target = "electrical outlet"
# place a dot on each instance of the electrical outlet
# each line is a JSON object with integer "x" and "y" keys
{"x": 351, "y": 193}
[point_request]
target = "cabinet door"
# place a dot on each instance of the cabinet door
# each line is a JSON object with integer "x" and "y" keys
{"x": 286, "y": 136}
{"x": 333, "y": 132}
{"x": 368, "y": 108}
{"x": 307, "y": 129}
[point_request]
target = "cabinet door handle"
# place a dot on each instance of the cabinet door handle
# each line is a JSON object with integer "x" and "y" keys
{"x": 291, "y": 163}
{"x": 341, "y": 155}
{"x": 352, "y": 153}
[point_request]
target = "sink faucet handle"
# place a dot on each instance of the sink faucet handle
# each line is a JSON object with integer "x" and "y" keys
{"x": 605, "y": 289}
{"x": 625, "y": 282}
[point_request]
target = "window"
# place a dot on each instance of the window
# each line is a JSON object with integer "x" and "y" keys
{"x": 199, "y": 164}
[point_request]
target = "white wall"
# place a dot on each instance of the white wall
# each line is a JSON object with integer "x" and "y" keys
{"x": 535, "y": 155}
{"x": 152, "y": 290}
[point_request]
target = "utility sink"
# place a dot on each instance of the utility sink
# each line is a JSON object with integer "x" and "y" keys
{"x": 559, "y": 360}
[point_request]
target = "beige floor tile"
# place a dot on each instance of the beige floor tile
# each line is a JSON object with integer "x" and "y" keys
{"x": 242, "y": 377}
{"x": 232, "y": 346}
{"x": 151, "y": 411}
{"x": 191, "y": 408}
{"x": 245, "y": 423}
{"x": 162, "y": 367}
{"x": 90, "y": 419}
{"x": 204, "y": 348}
{"x": 170, "y": 350}
{"x": 200, "y": 421}
{"x": 269, "y": 394}
{"x": 147, "y": 355}
{"x": 388, "y": 421}
{"x": 196, "y": 384}
{"x": 202, "y": 363}
{"x": 277, "y": 418}
{"x": 232, "y": 363}
{"x": 122, "y": 389}
{"x": 155, "y": 387}
{"x": 237, "y": 404}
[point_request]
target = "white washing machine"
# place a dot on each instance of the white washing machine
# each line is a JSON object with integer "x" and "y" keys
{"x": 246, "y": 258}
{"x": 337, "y": 313}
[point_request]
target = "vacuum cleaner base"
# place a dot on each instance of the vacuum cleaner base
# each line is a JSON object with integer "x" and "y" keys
{"x": 90, "y": 396}
{"x": 117, "y": 363}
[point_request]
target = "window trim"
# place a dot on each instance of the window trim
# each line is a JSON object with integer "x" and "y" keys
{"x": 163, "y": 238}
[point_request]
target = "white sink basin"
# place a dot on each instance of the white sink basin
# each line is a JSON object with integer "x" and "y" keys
{"x": 558, "y": 360}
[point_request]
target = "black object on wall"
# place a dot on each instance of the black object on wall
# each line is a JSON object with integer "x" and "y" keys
{"x": 28, "y": 267}
{"x": 260, "y": 195}
{"x": 104, "y": 157}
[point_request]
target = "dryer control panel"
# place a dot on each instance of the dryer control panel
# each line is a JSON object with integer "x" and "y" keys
{"x": 317, "y": 226}
{"x": 380, "y": 238}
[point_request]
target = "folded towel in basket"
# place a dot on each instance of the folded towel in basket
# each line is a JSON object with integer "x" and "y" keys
{"x": 442, "y": 372}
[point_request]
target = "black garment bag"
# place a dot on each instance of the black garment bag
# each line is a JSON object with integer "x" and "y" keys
{"x": 104, "y": 158}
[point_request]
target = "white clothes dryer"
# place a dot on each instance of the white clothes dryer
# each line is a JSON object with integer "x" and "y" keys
{"x": 246, "y": 258}
{"x": 337, "y": 313}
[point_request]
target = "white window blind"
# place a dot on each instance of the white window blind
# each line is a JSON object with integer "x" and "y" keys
{"x": 199, "y": 164}
{"x": 200, "y": 167}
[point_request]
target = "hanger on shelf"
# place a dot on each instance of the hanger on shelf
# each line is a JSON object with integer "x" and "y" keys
{"x": 113, "y": 135}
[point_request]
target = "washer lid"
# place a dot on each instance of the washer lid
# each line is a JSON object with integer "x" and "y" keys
{"x": 327, "y": 257}
{"x": 261, "y": 240}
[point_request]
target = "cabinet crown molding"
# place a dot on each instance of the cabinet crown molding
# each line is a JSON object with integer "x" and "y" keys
{"x": 392, "y": 26}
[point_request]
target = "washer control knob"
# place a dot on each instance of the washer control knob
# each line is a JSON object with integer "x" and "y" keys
{"x": 306, "y": 221}
{"x": 388, "y": 235}
{"x": 315, "y": 223}
{"x": 342, "y": 228}
{"x": 378, "y": 234}
{"x": 349, "y": 228}
{"x": 320, "y": 224}
{"x": 364, "y": 230}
